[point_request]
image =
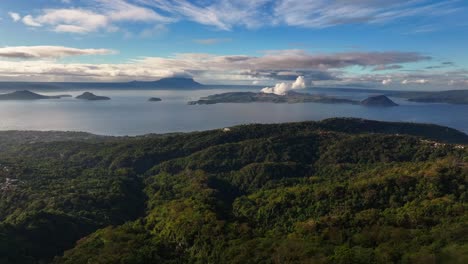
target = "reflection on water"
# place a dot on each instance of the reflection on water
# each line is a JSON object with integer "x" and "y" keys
{"x": 129, "y": 113}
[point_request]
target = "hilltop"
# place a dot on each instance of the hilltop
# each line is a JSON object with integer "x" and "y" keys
{"x": 334, "y": 191}
{"x": 378, "y": 100}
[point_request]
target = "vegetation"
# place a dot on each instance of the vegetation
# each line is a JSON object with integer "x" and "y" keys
{"x": 335, "y": 191}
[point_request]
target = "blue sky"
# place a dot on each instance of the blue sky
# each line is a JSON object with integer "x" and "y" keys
{"x": 418, "y": 44}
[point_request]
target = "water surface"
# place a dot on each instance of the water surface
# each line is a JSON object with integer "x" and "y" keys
{"x": 129, "y": 113}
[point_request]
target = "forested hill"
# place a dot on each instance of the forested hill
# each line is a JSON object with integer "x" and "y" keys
{"x": 334, "y": 191}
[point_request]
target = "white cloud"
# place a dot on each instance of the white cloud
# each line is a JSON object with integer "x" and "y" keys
{"x": 227, "y": 14}
{"x": 283, "y": 88}
{"x": 325, "y": 13}
{"x": 41, "y": 52}
{"x": 458, "y": 82}
{"x": 101, "y": 16}
{"x": 387, "y": 81}
{"x": 30, "y": 21}
{"x": 73, "y": 20}
{"x": 420, "y": 81}
{"x": 15, "y": 16}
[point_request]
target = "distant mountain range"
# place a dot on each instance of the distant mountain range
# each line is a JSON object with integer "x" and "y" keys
{"x": 175, "y": 82}
{"x": 185, "y": 83}
{"x": 164, "y": 83}
{"x": 449, "y": 97}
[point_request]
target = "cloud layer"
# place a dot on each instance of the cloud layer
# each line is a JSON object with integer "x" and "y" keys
{"x": 44, "y": 52}
{"x": 96, "y": 15}
{"x": 44, "y": 63}
{"x": 93, "y": 15}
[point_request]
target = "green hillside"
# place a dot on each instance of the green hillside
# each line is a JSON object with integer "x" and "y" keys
{"x": 334, "y": 191}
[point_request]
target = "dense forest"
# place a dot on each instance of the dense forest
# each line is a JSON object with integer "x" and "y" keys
{"x": 334, "y": 191}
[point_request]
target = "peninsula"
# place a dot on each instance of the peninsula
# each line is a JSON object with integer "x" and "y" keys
{"x": 26, "y": 95}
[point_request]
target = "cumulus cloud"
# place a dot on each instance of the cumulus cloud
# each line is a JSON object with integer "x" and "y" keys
{"x": 15, "y": 16}
{"x": 283, "y": 88}
{"x": 40, "y": 52}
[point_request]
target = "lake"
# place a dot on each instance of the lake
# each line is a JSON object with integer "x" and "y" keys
{"x": 129, "y": 112}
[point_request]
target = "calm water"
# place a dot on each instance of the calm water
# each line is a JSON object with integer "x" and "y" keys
{"x": 129, "y": 113}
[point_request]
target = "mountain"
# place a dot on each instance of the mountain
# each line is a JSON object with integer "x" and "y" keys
{"x": 169, "y": 83}
{"x": 164, "y": 83}
{"x": 91, "y": 97}
{"x": 333, "y": 191}
{"x": 378, "y": 100}
{"x": 25, "y": 95}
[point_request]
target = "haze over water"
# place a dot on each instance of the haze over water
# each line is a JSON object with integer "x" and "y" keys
{"x": 129, "y": 113}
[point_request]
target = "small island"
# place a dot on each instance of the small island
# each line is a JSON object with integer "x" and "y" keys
{"x": 154, "y": 99}
{"x": 91, "y": 97}
{"x": 252, "y": 97}
{"x": 26, "y": 95}
{"x": 379, "y": 101}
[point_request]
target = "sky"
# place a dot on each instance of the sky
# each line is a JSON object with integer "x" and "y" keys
{"x": 412, "y": 44}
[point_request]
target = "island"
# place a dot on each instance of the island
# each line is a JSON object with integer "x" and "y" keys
{"x": 155, "y": 99}
{"x": 378, "y": 100}
{"x": 26, "y": 95}
{"x": 251, "y": 97}
{"x": 91, "y": 97}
